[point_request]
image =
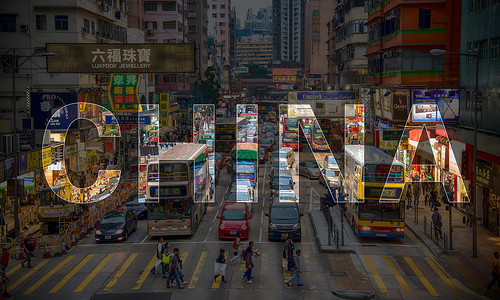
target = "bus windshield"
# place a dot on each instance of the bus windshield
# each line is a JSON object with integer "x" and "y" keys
{"x": 167, "y": 172}
{"x": 375, "y": 211}
{"x": 170, "y": 209}
{"x": 381, "y": 173}
{"x": 240, "y": 169}
{"x": 48, "y": 197}
{"x": 319, "y": 140}
{"x": 291, "y": 124}
{"x": 290, "y": 137}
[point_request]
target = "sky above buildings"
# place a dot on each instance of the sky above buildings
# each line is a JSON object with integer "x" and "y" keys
{"x": 242, "y": 6}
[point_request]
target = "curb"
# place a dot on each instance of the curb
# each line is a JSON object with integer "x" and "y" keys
{"x": 328, "y": 249}
{"x": 436, "y": 251}
{"x": 348, "y": 294}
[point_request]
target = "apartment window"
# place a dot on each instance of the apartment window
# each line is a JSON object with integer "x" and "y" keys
{"x": 149, "y": 6}
{"x": 483, "y": 49}
{"x": 86, "y": 26}
{"x": 191, "y": 14}
{"x": 170, "y": 78}
{"x": 214, "y": 16}
{"x": 424, "y": 18}
{"x": 222, "y": 23}
{"x": 169, "y": 6}
{"x": 222, "y": 6}
{"x": 41, "y": 22}
{"x": 151, "y": 25}
{"x": 222, "y": 32}
{"x": 169, "y": 25}
{"x": 92, "y": 27}
{"x": 471, "y": 6}
{"x": 7, "y": 23}
{"x": 222, "y": 15}
{"x": 495, "y": 48}
{"x": 214, "y": 6}
{"x": 192, "y": 28}
{"x": 61, "y": 22}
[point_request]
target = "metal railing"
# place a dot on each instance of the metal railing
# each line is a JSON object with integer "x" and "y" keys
{"x": 332, "y": 227}
{"x": 436, "y": 234}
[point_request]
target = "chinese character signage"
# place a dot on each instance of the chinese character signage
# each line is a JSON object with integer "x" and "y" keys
{"x": 240, "y": 70}
{"x": 285, "y": 79}
{"x": 288, "y": 87}
{"x": 334, "y": 95}
{"x": 123, "y": 92}
{"x": 164, "y": 107}
{"x": 46, "y": 156}
{"x": 121, "y": 58}
{"x": 284, "y": 72}
{"x": 483, "y": 174}
{"x": 46, "y": 105}
{"x": 128, "y": 120}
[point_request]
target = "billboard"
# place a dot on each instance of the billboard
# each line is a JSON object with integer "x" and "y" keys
{"x": 283, "y": 87}
{"x": 428, "y": 103}
{"x": 240, "y": 69}
{"x": 332, "y": 95}
{"x": 45, "y": 104}
{"x": 123, "y": 92}
{"x": 284, "y": 72}
{"x": 121, "y": 58}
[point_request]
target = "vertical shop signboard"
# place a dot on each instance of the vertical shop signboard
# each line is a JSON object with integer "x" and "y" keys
{"x": 9, "y": 168}
{"x": 123, "y": 92}
{"x": 483, "y": 174}
{"x": 164, "y": 107}
{"x": 34, "y": 160}
{"x": 46, "y": 156}
{"x": 23, "y": 164}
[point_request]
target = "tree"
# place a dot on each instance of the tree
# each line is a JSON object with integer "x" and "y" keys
{"x": 207, "y": 87}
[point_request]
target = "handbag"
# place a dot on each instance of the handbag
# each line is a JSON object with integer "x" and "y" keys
{"x": 284, "y": 263}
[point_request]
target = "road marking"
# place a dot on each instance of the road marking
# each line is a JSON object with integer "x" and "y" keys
{"x": 94, "y": 273}
{"x": 215, "y": 217}
{"x": 421, "y": 276}
{"x": 197, "y": 271}
{"x": 398, "y": 276}
{"x": 286, "y": 273}
{"x": 27, "y": 275}
{"x": 71, "y": 274}
{"x": 261, "y": 217}
{"x": 375, "y": 275}
{"x": 308, "y": 262}
{"x": 208, "y": 234}
{"x": 263, "y": 263}
{"x": 263, "y": 183}
{"x": 218, "y": 281}
{"x": 120, "y": 272}
{"x": 443, "y": 277}
{"x": 144, "y": 239}
{"x": 47, "y": 276}
{"x": 145, "y": 273}
{"x": 260, "y": 235}
{"x": 13, "y": 270}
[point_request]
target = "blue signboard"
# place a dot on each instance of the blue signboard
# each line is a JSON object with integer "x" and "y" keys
{"x": 128, "y": 120}
{"x": 334, "y": 95}
{"x": 45, "y": 104}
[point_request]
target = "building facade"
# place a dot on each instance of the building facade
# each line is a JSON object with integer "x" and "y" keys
{"x": 288, "y": 31}
{"x": 218, "y": 22}
{"x": 198, "y": 34}
{"x": 256, "y": 50}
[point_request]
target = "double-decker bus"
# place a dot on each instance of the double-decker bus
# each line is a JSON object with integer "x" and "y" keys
{"x": 225, "y": 135}
{"x": 178, "y": 190}
{"x": 291, "y": 133}
{"x": 374, "y": 188}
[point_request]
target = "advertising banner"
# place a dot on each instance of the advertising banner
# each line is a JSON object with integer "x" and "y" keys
{"x": 284, "y": 72}
{"x": 9, "y": 168}
{"x": 128, "y": 120}
{"x": 386, "y": 96}
{"x": 46, "y": 156}
{"x": 240, "y": 70}
{"x": 284, "y": 87}
{"x": 285, "y": 79}
{"x": 399, "y": 106}
{"x": 34, "y": 160}
{"x": 121, "y": 58}
{"x": 123, "y": 92}
{"x": 45, "y": 105}
{"x": 426, "y": 104}
{"x": 333, "y": 95}
{"x": 378, "y": 104}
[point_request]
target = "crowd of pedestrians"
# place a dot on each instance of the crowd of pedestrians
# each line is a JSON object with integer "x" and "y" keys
{"x": 170, "y": 263}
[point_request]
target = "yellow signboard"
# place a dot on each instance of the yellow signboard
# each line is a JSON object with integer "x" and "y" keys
{"x": 164, "y": 109}
{"x": 46, "y": 156}
{"x": 34, "y": 160}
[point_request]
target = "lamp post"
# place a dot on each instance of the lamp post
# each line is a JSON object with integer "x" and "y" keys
{"x": 438, "y": 52}
{"x": 10, "y": 60}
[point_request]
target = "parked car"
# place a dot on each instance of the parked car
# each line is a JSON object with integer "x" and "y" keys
{"x": 234, "y": 218}
{"x": 116, "y": 226}
{"x": 137, "y": 204}
{"x": 284, "y": 220}
{"x": 308, "y": 169}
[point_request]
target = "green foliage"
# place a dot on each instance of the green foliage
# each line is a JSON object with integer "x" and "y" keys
{"x": 207, "y": 87}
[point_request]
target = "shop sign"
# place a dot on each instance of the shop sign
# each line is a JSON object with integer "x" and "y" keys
{"x": 435, "y": 105}
{"x": 378, "y": 105}
{"x": 400, "y": 106}
{"x": 285, "y": 79}
{"x": 283, "y": 87}
{"x": 128, "y": 120}
{"x": 9, "y": 168}
{"x": 332, "y": 95}
{"x": 46, "y": 106}
{"x": 164, "y": 109}
{"x": 384, "y": 125}
{"x": 46, "y": 156}
{"x": 34, "y": 160}
{"x": 394, "y": 135}
{"x": 22, "y": 168}
{"x": 386, "y": 103}
{"x": 284, "y": 72}
{"x": 240, "y": 69}
{"x": 118, "y": 58}
{"x": 484, "y": 175}
{"x": 123, "y": 92}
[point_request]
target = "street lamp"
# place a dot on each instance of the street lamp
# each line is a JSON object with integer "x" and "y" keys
{"x": 476, "y": 88}
{"x": 10, "y": 59}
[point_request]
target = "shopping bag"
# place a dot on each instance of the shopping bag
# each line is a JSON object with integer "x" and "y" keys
{"x": 157, "y": 264}
{"x": 284, "y": 263}
{"x": 220, "y": 269}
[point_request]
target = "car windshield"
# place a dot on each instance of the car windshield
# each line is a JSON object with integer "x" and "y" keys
{"x": 244, "y": 182}
{"x": 285, "y": 181}
{"x": 239, "y": 196}
{"x": 233, "y": 215}
{"x": 330, "y": 173}
{"x": 116, "y": 217}
{"x": 284, "y": 212}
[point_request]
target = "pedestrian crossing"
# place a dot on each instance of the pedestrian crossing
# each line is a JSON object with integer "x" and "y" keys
{"x": 129, "y": 271}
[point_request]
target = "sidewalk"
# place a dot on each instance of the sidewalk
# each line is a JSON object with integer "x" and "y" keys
{"x": 26, "y": 230}
{"x": 320, "y": 226}
{"x": 474, "y": 272}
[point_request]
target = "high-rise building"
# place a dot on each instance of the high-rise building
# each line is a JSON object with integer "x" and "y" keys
{"x": 218, "y": 22}
{"x": 288, "y": 31}
{"x": 254, "y": 49}
{"x": 198, "y": 34}
{"x": 317, "y": 14}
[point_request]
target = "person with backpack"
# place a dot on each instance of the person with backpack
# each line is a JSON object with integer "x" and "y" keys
{"x": 247, "y": 256}
{"x": 220, "y": 266}
{"x": 28, "y": 252}
{"x": 236, "y": 246}
{"x": 159, "y": 252}
{"x": 165, "y": 259}
{"x": 295, "y": 268}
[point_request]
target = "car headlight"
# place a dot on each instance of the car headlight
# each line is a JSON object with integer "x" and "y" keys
{"x": 244, "y": 226}
{"x": 272, "y": 226}
{"x": 222, "y": 226}
{"x": 296, "y": 226}
{"x": 119, "y": 231}
{"x": 98, "y": 232}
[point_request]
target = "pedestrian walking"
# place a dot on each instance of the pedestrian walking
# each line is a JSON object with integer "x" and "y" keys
{"x": 4, "y": 259}
{"x": 5, "y": 280}
{"x": 247, "y": 255}
{"x": 437, "y": 223}
{"x": 416, "y": 194}
{"x": 159, "y": 252}
{"x": 433, "y": 198}
{"x": 289, "y": 248}
{"x": 173, "y": 269}
{"x": 236, "y": 246}
{"x": 28, "y": 252}
{"x": 220, "y": 266}
{"x": 295, "y": 268}
{"x": 468, "y": 214}
{"x": 409, "y": 195}
{"x": 495, "y": 272}
{"x": 165, "y": 259}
